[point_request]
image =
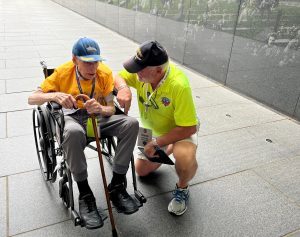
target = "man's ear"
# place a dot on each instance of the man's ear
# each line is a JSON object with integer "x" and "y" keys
{"x": 74, "y": 59}
{"x": 159, "y": 70}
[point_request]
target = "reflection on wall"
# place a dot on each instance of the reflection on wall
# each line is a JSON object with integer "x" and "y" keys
{"x": 249, "y": 45}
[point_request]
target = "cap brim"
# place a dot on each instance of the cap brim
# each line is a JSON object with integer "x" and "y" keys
{"x": 131, "y": 66}
{"x": 91, "y": 58}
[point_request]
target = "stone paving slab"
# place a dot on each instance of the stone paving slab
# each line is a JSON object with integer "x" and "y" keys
{"x": 2, "y": 62}
{"x": 19, "y": 123}
{"x": 234, "y": 151}
{"x": 284, "y": 175}
{"x": 22, "y": 63}
{"x": 43, "y": 205}
{"x": 3, "y": 205}
{"x": 18, "y": 154}
{"x": 23, "y": 84}
{"x": 13, "y": 73}
{"x": 231, "y": 116}
{"x": 217, "y": 208}
{"x": 2, "y": 87}
{"x": 213, "y": 96}
{"x": 67, "y": 229}
{"x": 2, "y": 125}
{"x": 237, "y": 205}
{"x": 14, "y": 101}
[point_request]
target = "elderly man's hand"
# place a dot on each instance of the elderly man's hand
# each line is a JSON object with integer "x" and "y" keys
{"x": 124, "y": 97}
{"x": 93, "y": 107}
{"x": 65, "y": 100}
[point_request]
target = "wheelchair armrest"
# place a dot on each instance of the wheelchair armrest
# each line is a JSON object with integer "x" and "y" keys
{"x": 53, "y": 106}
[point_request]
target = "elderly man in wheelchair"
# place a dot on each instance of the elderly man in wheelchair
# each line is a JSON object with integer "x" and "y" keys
{"x": 85, "y": 74}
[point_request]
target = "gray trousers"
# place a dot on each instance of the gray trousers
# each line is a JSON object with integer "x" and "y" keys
{"x": 123, "y": 127}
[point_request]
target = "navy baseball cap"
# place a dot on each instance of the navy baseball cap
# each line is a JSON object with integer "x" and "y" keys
{"x": 87, "y": 50}
{"x": 149, "y": 53}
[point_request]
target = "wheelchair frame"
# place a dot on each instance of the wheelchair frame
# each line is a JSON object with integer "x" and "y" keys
{"x": 48, "y": 126}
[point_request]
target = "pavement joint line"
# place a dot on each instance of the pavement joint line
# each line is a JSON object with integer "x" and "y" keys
{"x": 23, "y": 172}
{"x": 28, "y": 231}
{"x": 235, "y": 129}
{"x": 18, "y": 92}
{"x": 5, "y": 86}
{"x": 17, "y": 110}
{"x": 289, "y": 199}
{"x": 14, "y": 78}
{"x": 291, "y": 233}
{"x": 6, "y": 126}
{"x": 202, "y": 182}
{"x": 7, "y": 206}
{"x": 228, "y": 103}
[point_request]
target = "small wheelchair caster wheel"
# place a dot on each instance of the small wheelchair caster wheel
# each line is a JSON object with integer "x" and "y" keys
{"x": 65, "y": 195}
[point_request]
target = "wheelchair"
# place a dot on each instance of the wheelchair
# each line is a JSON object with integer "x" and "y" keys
{"x": 48, "y": 126}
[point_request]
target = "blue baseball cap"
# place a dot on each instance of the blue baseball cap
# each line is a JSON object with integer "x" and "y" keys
{"x": 87, "y": 50}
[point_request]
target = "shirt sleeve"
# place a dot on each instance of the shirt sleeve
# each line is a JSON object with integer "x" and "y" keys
{"x": 130, "y": 78}
{"x": 50, "y": 84}
{"x": 185, "y": 111}
{"x": 109, "y": 87}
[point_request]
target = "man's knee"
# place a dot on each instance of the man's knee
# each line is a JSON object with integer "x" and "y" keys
{"x": 132, "y": 123}
{"x": 73, "y": 134}
{"x": 185, "y": 159}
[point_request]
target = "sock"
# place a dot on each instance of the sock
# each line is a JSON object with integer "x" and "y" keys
{"x": 117, "y": 179}
{"x": 84, "y": 188}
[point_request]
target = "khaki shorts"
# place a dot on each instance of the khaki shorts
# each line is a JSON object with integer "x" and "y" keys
{"x": 193, "y": 139}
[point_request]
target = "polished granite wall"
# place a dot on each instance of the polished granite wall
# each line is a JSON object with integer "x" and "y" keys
{"x": 252, "y": 46}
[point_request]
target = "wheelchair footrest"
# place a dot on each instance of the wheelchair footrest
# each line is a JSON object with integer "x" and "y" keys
{"x": 139, "y": 197}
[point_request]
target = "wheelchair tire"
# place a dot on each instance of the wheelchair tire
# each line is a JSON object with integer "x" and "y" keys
{"x": 65, "y": 195}
{"x": 44, "y": 143}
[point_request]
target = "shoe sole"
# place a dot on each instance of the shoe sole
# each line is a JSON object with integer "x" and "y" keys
{"x": 93, "y": 227}
{"x": 177, "y": 214}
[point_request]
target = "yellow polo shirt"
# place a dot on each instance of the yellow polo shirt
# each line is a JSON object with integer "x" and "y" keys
{"x": 170, "y": 105}
{"x": 63, "y": 79}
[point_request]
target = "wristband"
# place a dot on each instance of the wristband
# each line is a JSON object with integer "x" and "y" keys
{"x": 122, "y": 87}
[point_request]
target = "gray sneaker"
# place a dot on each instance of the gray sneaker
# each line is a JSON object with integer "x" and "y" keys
{"x": 178, "y": 204}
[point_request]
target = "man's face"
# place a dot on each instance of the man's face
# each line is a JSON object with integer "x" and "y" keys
{"x": 149, "y": 74}
{"x": 86, "y": 69}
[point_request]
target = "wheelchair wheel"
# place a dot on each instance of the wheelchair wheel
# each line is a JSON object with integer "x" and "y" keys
{"x": 44, "y": 143}
{"x": 65, "y": 195}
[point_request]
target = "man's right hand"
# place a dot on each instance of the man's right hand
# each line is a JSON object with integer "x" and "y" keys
{"x": 65, "y": 100}
{"x": 124, "y": 97}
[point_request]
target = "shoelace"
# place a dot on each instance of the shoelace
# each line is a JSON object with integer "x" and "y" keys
{"x": 180, "y": 195}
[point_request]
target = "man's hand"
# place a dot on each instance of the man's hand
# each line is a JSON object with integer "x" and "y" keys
{"x": 65, "y": 100}
{"x": 93, "y": 107}
{"x": 124, "y": 97}
{"x": 149, "y": 149}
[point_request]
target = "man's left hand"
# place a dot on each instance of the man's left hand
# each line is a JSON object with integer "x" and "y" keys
{"x": 93, "y": 107}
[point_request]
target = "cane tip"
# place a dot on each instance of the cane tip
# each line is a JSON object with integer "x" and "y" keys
{"x": 114, "y": 233}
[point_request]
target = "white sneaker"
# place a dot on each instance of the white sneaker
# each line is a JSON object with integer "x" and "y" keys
{"x": 178, "y": 204}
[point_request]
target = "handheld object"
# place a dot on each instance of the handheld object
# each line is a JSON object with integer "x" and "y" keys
{"x": 162, "y": 158}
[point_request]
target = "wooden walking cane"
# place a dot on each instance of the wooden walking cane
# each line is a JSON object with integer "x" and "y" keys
{"x": 84, "y": 98}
